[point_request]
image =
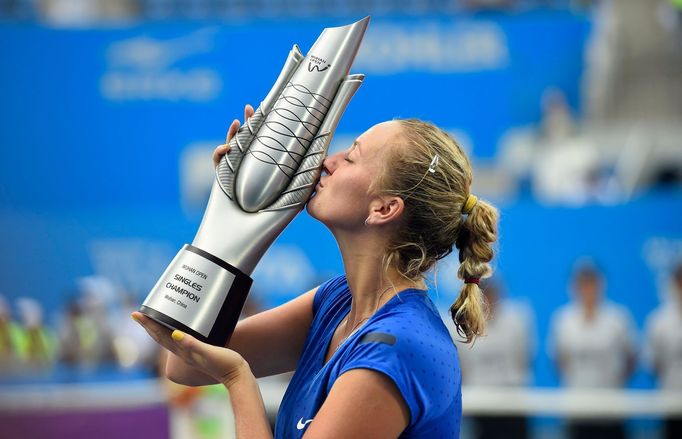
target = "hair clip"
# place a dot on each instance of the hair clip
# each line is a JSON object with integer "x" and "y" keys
{"x": 434, "y": 163}
{"x": 432, "y": 169}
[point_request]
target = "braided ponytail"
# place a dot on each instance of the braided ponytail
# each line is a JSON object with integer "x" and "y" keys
{"x": 431, "y": 172}
{"x": 474, "y": 242}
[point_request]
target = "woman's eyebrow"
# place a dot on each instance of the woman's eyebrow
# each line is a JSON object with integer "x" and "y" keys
{"x": 356, "y": 145}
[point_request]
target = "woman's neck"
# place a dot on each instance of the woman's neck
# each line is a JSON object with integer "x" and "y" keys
{"x": 371, "y": 286}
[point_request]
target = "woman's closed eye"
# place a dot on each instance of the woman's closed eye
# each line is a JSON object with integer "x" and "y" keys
{"x": 346, "y": 157}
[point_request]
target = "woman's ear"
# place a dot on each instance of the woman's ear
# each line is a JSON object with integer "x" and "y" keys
{"x": 384, "y": 210}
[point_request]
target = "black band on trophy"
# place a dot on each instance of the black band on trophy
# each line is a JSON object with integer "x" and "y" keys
{"x": 216, "y": 260}
{"x": 231, "y": 309}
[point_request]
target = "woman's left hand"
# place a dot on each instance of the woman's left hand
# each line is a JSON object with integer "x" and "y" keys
{"x": 222, "y": 364}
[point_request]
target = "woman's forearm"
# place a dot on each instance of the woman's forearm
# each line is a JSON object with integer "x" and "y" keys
{"x": 251, "y": 420}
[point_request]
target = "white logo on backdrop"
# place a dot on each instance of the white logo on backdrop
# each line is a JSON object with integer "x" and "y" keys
{"x": 145, "y": 68}
{"x": 433, "y": 47}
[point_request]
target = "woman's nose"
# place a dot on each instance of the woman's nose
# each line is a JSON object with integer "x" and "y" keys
{"x": 329, "y": 164}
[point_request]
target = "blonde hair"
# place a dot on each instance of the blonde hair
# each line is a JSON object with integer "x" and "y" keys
{"x": 433, "y": 221}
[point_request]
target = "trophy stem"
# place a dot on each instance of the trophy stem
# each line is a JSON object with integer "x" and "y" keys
{"x": 261, "y": 184}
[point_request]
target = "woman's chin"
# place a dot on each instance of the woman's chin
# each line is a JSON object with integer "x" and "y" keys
{"x": 310, "y": 205}
{"x": 313, "y": 209}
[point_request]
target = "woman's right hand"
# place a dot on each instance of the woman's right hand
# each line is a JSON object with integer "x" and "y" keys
{"x": 223, "y": 149}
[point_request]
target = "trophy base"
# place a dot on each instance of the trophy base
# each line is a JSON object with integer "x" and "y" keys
{"x": 174, "y": 324}
{"x": 199, "y": 294}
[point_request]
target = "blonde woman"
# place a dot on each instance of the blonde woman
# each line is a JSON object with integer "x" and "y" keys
{"x": 372, "y": 357}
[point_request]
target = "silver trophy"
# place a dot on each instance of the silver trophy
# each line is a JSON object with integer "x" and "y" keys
{"x": 264, "y": 181}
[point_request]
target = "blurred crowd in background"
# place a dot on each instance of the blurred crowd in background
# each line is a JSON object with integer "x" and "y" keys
{"x": 94, "y": 332}
{"x": 91, "y": 332}
{"x": 593, "y": 343}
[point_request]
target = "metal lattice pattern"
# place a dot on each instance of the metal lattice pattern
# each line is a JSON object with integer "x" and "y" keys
{"x": 301, "y": 185}
{"x": 299, "y": 105}
{"x": 226, "y": 170}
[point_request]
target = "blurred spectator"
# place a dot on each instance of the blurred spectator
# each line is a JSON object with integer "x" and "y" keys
{"x": 558, "y": 159}
{"x": 10, "y": 340}
{"x": 85, "y": 336}
{"x": 557, "y": 118}
{"x": 38, "y": 345}
{"x": 203, "y": 412}
{"x": 17, "y": 9}
{"x": 489, "y": 4}
{"x": 567, "y": 166}
{"x": 132, "y": 345}
{"x": 501, "y": 358}
{"x": 663, "y": 348}
{"x": 79, "y": 12}
{"x": 592, "y": 343}
{"x": 69, "y": 334}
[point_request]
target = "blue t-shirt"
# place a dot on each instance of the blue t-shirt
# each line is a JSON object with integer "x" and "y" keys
{"x": 405, "y": 339}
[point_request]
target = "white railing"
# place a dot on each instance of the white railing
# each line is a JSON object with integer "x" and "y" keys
{"x": 476, "y": 400}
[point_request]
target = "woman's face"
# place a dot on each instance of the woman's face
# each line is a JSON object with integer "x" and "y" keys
{"x": 342, "y": 199}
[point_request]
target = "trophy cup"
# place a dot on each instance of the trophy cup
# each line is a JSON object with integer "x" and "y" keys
{"x": 263, "y": 182}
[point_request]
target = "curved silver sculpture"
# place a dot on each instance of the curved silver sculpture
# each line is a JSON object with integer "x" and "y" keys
{"x": 264, "y": 181}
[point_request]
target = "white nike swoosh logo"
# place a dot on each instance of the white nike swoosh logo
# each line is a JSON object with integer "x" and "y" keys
{"x": 301, "y": 425}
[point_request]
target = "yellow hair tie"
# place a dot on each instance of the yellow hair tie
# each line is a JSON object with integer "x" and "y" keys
{"x": 469, "y": 204}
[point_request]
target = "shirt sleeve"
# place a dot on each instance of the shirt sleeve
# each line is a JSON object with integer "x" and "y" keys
{"x": 325, "y": 290}
{"x": 423, "y": 366}
{"x": 386, "y": 359}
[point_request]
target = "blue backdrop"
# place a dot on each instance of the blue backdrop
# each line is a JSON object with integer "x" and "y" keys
{"x": 105, "y": 141}
{"x": 101, "y": 116}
